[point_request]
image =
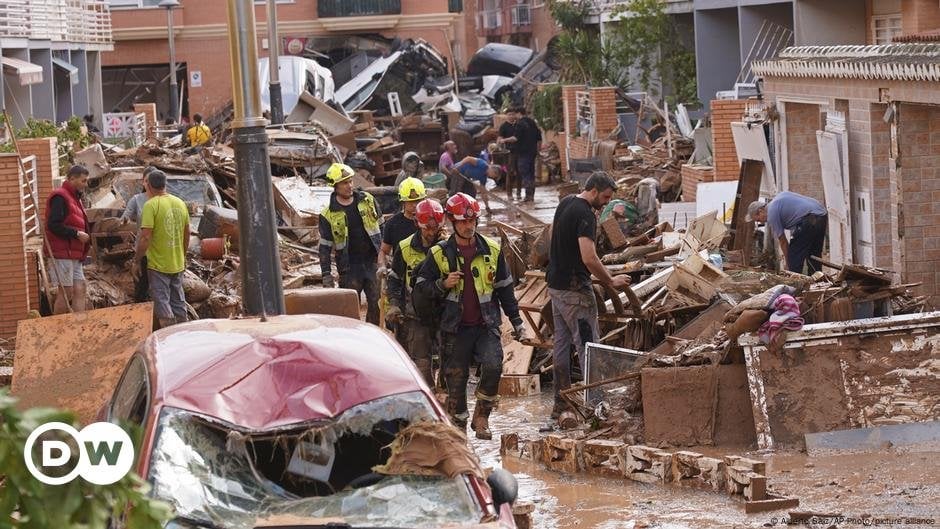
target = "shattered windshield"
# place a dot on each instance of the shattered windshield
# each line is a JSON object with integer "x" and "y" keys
{"x": 220, "y": 477}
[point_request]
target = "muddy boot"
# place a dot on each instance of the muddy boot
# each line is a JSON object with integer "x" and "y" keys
{"x": 559, "y": 408}
{"x": 481, "y": 420}
{"x": 166, "y": 322}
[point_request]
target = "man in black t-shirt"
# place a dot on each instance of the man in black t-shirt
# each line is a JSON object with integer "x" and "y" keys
{"x": 509, "y": 136}
{"x": 527, "y": 148}
{"x": 572, "y": 259}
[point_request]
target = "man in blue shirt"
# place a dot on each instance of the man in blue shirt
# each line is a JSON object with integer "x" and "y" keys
{"x": 806, "y": 219}
{"x": 474, "y": 173}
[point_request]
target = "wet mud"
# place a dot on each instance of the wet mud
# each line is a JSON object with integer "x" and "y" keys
{"x": 882, "y": 487}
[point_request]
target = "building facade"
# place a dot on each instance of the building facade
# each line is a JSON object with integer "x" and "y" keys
{"x": 137, "y": 71}
{"x": 52, "y": 53}
{"x": 526, "y": 23}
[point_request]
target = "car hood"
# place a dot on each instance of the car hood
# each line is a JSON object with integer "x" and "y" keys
{"x": 288, "y": 369}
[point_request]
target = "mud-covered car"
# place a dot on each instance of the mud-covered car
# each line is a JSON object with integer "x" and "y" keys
{"x": 306, "y": 421}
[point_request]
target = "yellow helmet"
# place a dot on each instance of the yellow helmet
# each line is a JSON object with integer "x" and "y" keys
{"x": 339, "y": 172}
{"x": 411, "y": 190}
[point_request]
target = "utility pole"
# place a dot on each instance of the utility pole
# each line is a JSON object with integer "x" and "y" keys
{"x": 170, "y": 5}
{"x": 274, "y": 52}
{"x": 262, "y": 292}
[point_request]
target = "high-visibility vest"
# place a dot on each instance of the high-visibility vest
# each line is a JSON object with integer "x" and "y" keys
{"x": 412, "y": 257}
{"x": 483, "y": 269}
{"x": 340, "y": 228}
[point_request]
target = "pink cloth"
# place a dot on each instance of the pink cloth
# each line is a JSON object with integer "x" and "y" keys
{"x": 786, "y": 316}
{"x": 446, "y": 161}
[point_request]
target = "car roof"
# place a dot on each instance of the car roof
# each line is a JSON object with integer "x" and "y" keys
{"x": 285, "y": 370}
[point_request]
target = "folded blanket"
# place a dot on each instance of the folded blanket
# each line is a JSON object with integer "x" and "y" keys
{"x": 786, "y": 316}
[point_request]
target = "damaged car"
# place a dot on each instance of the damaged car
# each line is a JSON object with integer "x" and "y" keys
{"x": 306, "y": 421}
{"x": 412, "y": 69}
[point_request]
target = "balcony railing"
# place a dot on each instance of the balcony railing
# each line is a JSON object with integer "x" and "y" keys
{"x": 357, "y": 8}
{"x": 86, "y": 21}
{"x": 491, "y": 19}
{"x": 521, "y": 15}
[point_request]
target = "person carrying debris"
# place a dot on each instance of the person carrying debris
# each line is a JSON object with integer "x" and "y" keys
{"x": 807, "y": 221}
{"x": 416, "y": 334}
{"x": 572, "y": 260}
{"x": 199, "y": 134}
{"x": 163, "y": 239}
{"x": 467, "y": 273}
{"x": 352, "y": 226}
{"x": 470, "y": 175}
{"x": 411, "y": 167}
{"x": 132, "y": 214}
{"x": 67, "y": 234}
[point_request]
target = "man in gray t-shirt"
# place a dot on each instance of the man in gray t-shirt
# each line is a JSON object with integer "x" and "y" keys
{"x": 806, "y": 219}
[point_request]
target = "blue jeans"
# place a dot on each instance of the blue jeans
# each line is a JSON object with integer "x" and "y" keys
{"x": 807, "y": 240}
{"x": 574, "y": 313}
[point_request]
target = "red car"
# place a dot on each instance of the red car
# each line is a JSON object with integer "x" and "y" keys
{"x": 280, "y": 422}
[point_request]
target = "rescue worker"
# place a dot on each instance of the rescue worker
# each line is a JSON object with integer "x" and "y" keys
{"x": 199, "y": 134}
{"x": 402, "y": 224}
{"x": 351, "y": 225}
{"x": 468, "y": 275}
{"x": 415, "y": 334}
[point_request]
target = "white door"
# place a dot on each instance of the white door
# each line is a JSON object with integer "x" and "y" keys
{"x": 836, "y": 192}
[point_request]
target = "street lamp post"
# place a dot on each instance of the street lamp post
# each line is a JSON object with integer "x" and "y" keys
{"x": 262, "y": 292}
{"x": 274, "y": 44}
{"x": 169, "y": 5}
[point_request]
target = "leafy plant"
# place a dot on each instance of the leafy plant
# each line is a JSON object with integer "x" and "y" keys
{"x": 546, "y": 107}
{"x": 27, "y": 503}
{"x": 69, "y": 136}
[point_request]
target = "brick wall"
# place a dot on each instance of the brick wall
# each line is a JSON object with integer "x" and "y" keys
{"x": 691, "y": 176}
{"x": 149, "y": 110}
{"x": 14, "y": 296}
{"x": 919, "y": 179}
{"x": 46, "y": 152}
{"x": 803, "y": 167}
{"x": 723, "y": 112}
{"x": 919, "y": 15}
{"x": 604, "y": 105}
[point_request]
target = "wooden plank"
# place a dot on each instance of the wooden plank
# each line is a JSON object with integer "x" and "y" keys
{"x": 742, "y": 232}
{"x": 773, "y": 504}
{"x": 519, "y": 385}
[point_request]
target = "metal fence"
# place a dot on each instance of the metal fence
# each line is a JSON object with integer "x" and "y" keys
{"x": 29, "y": 182}
{"x": 521, "y": 15}
{"x": 127, "y": 128}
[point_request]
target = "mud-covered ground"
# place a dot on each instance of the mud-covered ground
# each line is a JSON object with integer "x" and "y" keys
{"x": 880, "y": 490}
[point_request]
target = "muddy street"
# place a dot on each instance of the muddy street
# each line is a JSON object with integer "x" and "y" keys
{"x": 875, "y": 487}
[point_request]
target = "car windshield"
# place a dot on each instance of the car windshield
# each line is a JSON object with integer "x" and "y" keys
{"x": 320, "y": 473}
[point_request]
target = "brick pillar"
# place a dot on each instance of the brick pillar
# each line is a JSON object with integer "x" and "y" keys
{"x": 46, "y": 151}
{"x": 604, "y": 101}
{"x": 14, "y": 295}
{"x": 149, "y": 110}
{"x": 723, "y": 112}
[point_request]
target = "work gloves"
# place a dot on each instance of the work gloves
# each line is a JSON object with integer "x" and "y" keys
{"x": 382, "y": 272}
{"x": 328, "y": 282}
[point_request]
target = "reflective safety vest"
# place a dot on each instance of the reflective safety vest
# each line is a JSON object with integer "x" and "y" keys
{"x": 340, "y": 229}
{"x": 412, "y": 257}
{"x": 483, "y": 269}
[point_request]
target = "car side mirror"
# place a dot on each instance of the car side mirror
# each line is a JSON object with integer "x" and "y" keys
{"x": 504, "y": 487}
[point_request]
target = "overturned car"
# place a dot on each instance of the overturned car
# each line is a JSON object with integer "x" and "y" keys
{"x": 312, "y": 421}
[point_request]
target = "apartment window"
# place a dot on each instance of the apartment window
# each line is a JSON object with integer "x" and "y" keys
{"x": 132, "y": 4}
{"x": 357, "y": 8}
{"x": 885, "y": 27}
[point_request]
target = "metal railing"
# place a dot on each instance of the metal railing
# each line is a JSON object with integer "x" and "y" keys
{"x": 491, "y": 19}
{"x": 357, "y": 8}
{"x": 56, "y": 20}
{"x": 127, "y": 128}
{"x": 29, "y": 182}
{"x": 521, "y": 15}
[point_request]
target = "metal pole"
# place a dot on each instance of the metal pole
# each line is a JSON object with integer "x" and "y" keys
{"x": 274, "y": 45}
{"x": 262, "y": 292}
{"x": 174, "y": 88}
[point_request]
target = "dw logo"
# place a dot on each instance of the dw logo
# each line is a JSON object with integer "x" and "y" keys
{"x": 105, "y": 453}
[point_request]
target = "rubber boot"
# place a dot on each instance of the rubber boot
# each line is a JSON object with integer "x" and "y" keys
{"x": 481, "y": 419}
{"x": 166, "y": 322}
{"x": 456, "y": 405}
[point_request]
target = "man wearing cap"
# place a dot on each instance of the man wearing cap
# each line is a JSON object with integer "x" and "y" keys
{"x": 352, "y": 226}
{"x": 807, "y": 221}
{"x": 468, "y": 275}
{"x": 402, "y": 224}
{"x": 415, "y": 334}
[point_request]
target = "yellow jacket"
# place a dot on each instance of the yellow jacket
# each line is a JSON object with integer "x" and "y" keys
{"x": 198, "y": 135}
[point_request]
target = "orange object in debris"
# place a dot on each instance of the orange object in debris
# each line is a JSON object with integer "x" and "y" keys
{"x": 213, "y": 248}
